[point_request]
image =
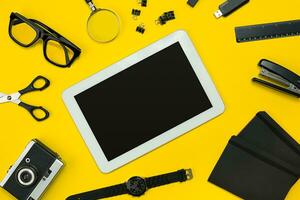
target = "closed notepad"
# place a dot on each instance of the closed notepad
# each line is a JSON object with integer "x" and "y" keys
{"x": 251, "y": 166}
{"x": 265, "y": 133}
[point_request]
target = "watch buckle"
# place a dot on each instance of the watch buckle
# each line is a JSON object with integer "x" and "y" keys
{"x": 189, "y": 174}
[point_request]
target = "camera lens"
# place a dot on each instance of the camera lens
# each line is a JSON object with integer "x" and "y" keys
{"x": 26, "y": 176}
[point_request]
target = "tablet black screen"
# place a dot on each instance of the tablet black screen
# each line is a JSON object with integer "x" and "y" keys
{"x": 143, "y": 101}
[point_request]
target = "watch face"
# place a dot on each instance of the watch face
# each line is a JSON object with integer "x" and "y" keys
{"x": 136, "y": 186}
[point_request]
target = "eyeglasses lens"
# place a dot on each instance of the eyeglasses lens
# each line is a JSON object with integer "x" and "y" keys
{"x": 22, "y": 32}
{"x": 59, "y": 53}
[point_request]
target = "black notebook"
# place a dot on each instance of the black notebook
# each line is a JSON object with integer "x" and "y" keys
{"x": 261, "y": 163}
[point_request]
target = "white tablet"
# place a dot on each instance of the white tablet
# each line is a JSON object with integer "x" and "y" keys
{"x": 143, "y": 101}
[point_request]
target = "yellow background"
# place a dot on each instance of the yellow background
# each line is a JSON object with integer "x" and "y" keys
{"x": 230, "y": 65}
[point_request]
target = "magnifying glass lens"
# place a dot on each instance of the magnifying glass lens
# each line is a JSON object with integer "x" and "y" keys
{"x": 103, "y": 26}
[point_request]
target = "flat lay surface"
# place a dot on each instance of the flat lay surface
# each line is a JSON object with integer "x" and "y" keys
{"x": 231, "y": 66}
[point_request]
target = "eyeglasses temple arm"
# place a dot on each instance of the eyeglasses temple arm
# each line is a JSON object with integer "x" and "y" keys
{"x": 17, "y": 21}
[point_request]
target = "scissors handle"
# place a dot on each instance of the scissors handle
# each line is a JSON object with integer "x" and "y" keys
{"x": 33, "y": 87}
{"x": 33, "y": 109}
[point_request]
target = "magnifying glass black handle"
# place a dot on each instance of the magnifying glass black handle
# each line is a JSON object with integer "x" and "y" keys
{"x": 91, "y": 4}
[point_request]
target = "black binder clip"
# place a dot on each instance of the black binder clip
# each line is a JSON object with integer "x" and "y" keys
{"x": 135, "y": 13}
{"x": 141, "y": 29}
{"x": 164, "y": 18}
{"x": 192, "y": 3}
{"x": 143, "y": 3}
{"x": 161, "y": 20}
{"x": 280, "y": 75}
{"x": 169, "y": 15}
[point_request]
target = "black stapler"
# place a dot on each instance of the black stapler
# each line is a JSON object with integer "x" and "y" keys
{"x": 288, "y": 81}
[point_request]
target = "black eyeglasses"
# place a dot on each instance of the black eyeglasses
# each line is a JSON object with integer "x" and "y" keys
{"x": 57, "y": 49}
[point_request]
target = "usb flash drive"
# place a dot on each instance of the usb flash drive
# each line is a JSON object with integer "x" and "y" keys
{"x": 229, "y": 6}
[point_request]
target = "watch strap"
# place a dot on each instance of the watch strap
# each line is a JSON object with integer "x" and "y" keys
{"x": 101, "y": 193}
{"x": 178, "y": 176}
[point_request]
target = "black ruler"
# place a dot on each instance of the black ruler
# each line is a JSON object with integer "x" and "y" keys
{"x": 267, "y": 31}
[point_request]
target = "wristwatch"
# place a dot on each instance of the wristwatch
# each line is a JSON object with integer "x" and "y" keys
{"x": 135, "y": 186}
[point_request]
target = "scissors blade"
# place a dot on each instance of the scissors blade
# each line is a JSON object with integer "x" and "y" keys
{"x": 10, "y": 98}
{"x": 3, "y": 98}
{"x": 14, "y": 98}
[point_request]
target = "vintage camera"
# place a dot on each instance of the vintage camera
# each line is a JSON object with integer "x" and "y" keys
{"x": 31, "y": 174}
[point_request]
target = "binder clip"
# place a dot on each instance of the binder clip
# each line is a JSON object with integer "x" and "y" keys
{"x": 143, "y": 3}
{"x": 281, "y": 75}
{"x": 135, "y": 13}
{"x": 161, "y": 20}
{"x": 170, "y": 15}
{"x": 164, "y": 18}
{"x": 192, "y": 3}
{"x": 140, "y": 29}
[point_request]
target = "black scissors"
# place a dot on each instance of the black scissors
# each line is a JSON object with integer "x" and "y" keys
{"x": 33, "y": 110}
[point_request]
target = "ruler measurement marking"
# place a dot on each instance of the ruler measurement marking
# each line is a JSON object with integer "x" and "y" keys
{"x": 267, "y": 31}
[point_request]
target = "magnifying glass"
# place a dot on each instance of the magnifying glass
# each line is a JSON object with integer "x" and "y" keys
{"x": 103, "y": 25}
